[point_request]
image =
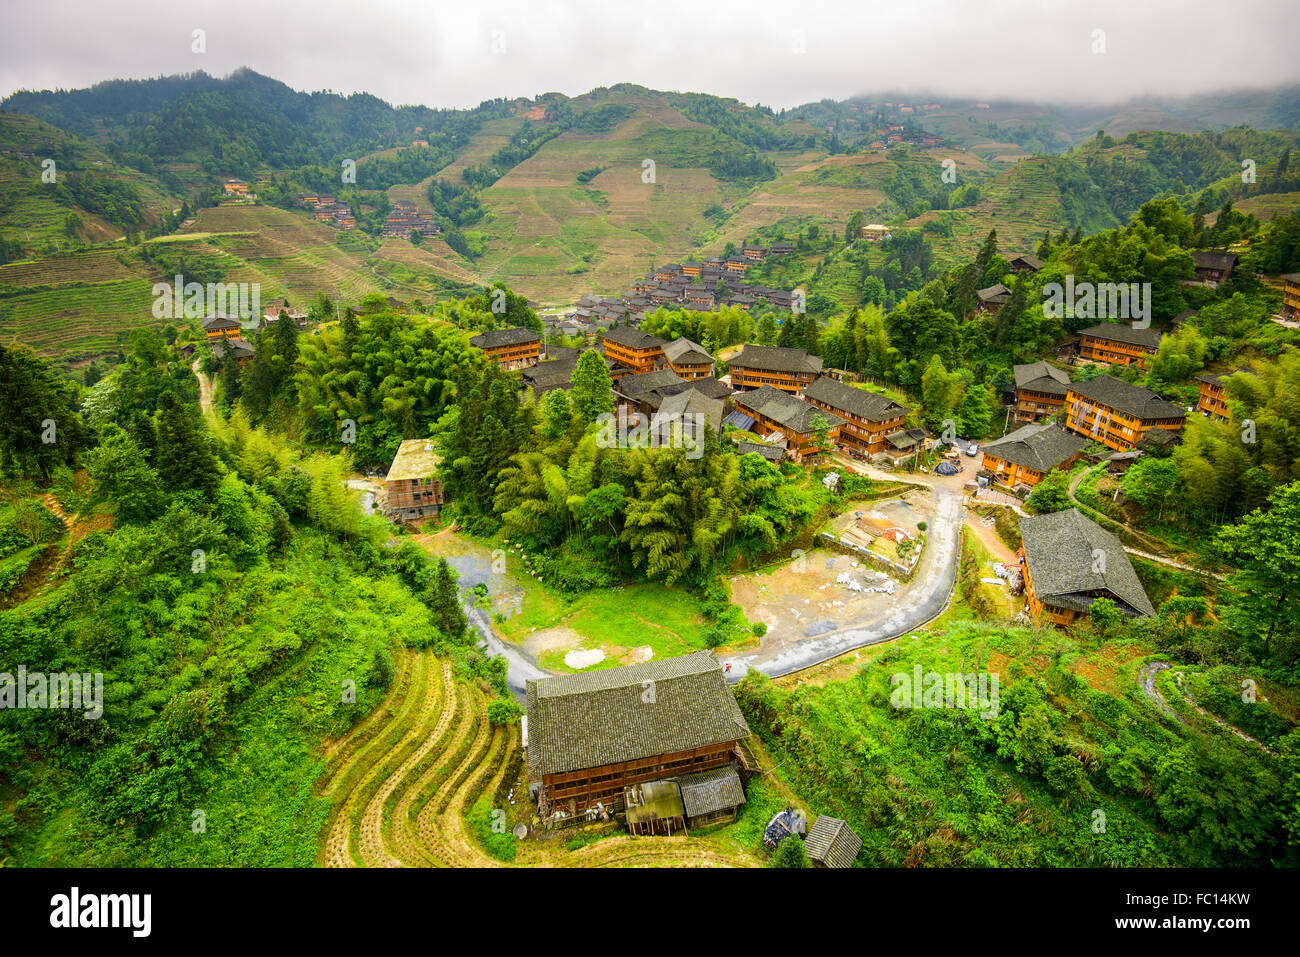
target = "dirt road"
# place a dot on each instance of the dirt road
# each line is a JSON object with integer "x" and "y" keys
{"x": 205, "y": 387}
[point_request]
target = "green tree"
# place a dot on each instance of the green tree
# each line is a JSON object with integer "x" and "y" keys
{"x": 592, "y": 390}
{"x": 1052, "y": 494}
{"x": 184, "y": 458}
{"x": 789, "y": 853}
{"x": 39, "y": 426}
{"x": 1265, "y": 545}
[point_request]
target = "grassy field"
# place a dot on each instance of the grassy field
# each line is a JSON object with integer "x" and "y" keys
{"x": 624, "y": 623}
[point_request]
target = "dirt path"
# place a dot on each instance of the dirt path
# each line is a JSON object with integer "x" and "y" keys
{"x": 1147, "y": 682}
{"x": 988, "y": 536}
{"x": 1136, "y": 533}
{"x": 205, "y": 387}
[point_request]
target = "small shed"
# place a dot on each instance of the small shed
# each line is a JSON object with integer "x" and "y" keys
{"x": 832, "y": 843}
{"x": 710, "y": 796}
{"x": 654, "y": 808}
{"x": 833, "y": 483}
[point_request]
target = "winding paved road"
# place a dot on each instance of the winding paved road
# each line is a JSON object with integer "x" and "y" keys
{"x": 936, "y": 576}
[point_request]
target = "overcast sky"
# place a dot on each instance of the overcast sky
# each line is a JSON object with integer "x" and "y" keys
{"x": 778, "y": 52}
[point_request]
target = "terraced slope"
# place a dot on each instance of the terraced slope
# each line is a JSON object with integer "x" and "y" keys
{"x": 405, "y": 777}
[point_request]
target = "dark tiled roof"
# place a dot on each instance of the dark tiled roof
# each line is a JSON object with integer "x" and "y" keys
{"x": 690, "y": 402}
{"x": 1039, "y": 447}
{"x": 1205, "y": 260}
{"x": 633, "y": 338}
{"x": 775, "y": 359}
{"x": 867, "y": 405}
{"x": 1214, "y": 378}
{"x": 713, "y": 388}
{"x": 1069, "y": 556}
{"x": 832, "y": 842}
{"x": 1124, "y": 332}
{"x": 994, "y": 293}
{"x": 785, "y": 410}
{"x": 906, "y": 438}
{"x": 1132, "y": 399}
{"x": 1041, "y": 377}
{"x": 636, "y": 385}
{"x": 772, "y": 453}
{"x": 1033, "y": 262}
{"x": 495, "y": 338}
{"x": 683, "y": 351}
{"x": 716, "y": 789}
{"x": 604, "y": 717}
{"x": 238, "y": 348}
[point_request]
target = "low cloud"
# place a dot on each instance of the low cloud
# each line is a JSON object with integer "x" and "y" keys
{"x": 777, "y": 53}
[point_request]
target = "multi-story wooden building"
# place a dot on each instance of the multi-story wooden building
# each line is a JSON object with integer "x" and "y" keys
{"x": 1069, "y": 561}
{"x": 796, "y": 420}
{"x": 221, "y": 327}
{"x": 1040, "y": 390}
{"x": 1211, "y": 401}
{"x": 1291, "y": 294}
{"x": 1118, "y": 343}
{"x": 593, "y": 735}
{"x": 1025, "y": 263}
{"x": 875, "y": 232}
{"x": 510, "y": 348}
{"x": 789, "y": 370}
{"x": 1116, "y": 414}
{"x": 1024, "y": 456}
{"x": 634, "y": 351}
{"x": 414, "y": 492}
{"x": 688, "y": 359}
{"x": 868, "y": 417}
{"x": 992, "y": 298}
{"x": 1213, "y": 268}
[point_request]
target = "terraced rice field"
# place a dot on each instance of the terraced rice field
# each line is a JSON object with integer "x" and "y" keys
{"x": 403, "y": 780}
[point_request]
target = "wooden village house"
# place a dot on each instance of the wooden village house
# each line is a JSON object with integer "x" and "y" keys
{"x": 1068, "y": 561}
{"x": 1024, "y": 456}
{"x": 510, "y": 348}
{"x": 1118, "y": 343}
{"x": 1039, "y": 391}
{"x": 789, "y": 370}
{"x": 414, "y": 492}
{"x": 1116, "y": 414}
{"x": 867, "y": 416}
{"x": 597, "y": 739}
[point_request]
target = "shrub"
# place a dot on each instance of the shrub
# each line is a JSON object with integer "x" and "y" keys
{"x": 503, "y": 711}
{"x": 493, "y": 831}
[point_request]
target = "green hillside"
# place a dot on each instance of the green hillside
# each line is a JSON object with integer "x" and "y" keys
{"x": 105, "y": 196}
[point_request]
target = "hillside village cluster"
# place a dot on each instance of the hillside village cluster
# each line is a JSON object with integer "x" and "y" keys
{"x": 782, "y": 404}
{"x": 594, "y": 753}
{"x": 687, "y": 764}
